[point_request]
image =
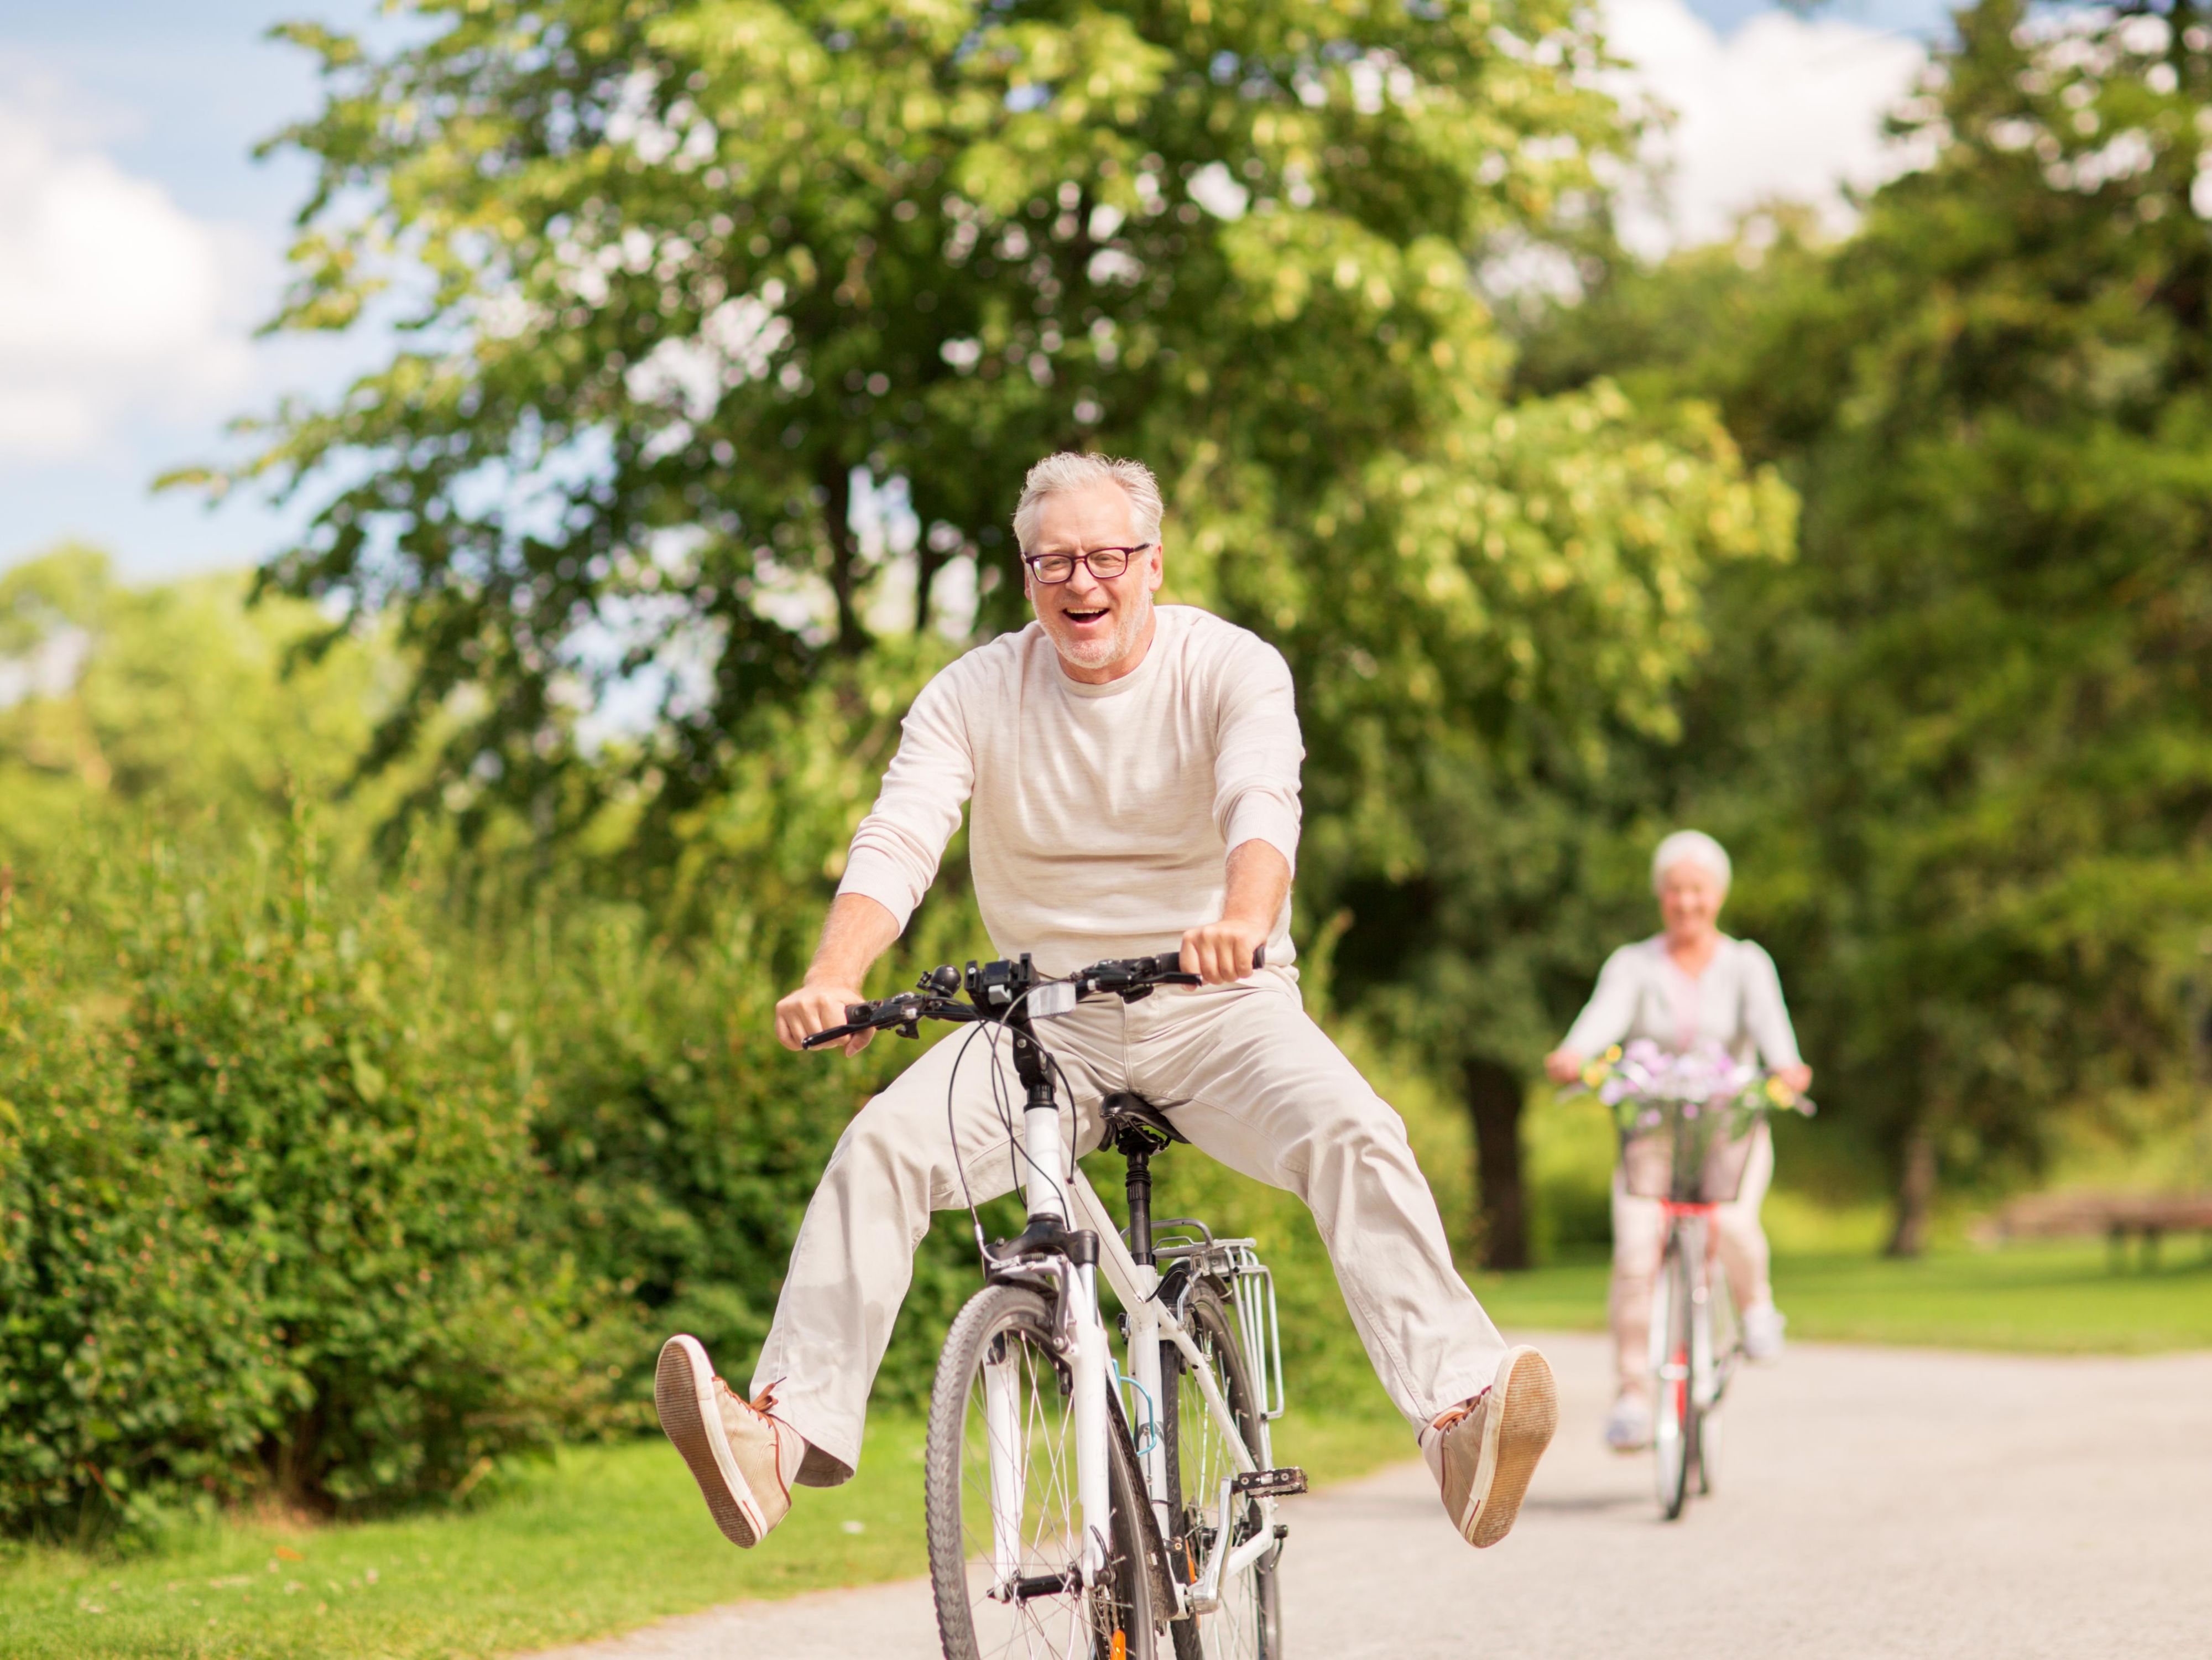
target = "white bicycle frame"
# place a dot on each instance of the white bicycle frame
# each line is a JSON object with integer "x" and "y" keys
{"x": 1075, "y": 1205}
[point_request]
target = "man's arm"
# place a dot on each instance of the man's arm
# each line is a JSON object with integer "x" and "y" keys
{"x": 857, "y": 931}
{"x": 1259, "y": 880}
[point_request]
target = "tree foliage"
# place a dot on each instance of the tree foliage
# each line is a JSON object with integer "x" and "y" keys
{"x": 670, "y": 279}
{"x": 1969, "y": 724}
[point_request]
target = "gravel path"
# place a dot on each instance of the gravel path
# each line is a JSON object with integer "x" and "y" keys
{"x": 1875, "y": 1504}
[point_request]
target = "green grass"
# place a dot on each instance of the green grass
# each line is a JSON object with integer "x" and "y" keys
{"x": 2061, "y": 1297}
{"x": 603, "y": 1539}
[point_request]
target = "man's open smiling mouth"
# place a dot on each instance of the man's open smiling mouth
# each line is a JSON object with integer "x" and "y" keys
{"x": 1083, "y": 616}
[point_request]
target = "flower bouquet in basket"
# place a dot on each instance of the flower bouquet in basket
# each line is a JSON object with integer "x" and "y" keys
{"x": 1685, "y": 1119}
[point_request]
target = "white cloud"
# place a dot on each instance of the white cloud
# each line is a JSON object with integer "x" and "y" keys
{"x": 1783, "y": 108}
{"x": 114, "y": 301}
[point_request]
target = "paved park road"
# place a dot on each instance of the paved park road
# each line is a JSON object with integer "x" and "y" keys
{"x": 1874, "y": 1503}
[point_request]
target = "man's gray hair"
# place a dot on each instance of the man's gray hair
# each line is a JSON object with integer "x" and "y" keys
{"x": 1071, "y": 469}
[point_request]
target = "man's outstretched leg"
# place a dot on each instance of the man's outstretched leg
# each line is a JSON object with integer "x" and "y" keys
{"x": 850, "y": 1268}
{"x": 1265, "y": 1092}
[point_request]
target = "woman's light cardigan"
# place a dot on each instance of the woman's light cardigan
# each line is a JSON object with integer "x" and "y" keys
{"x": 1737, "y": 1003}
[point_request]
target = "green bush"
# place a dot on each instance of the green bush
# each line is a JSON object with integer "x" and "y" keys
{"x": 272, "y": 1224}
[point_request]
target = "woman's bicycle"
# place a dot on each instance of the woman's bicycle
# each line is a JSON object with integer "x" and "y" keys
{"x": 1076, "y": 1505}
{"x": 1685, "y": 1122}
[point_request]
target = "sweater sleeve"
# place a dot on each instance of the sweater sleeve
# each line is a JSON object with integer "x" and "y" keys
{"x": 1766, "y": 1015}
{"x": 1257, "y": 752}
{"x": 1611, "y": 1010}
{"x": 896, "y": 850}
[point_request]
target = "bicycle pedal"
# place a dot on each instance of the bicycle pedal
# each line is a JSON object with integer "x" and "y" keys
{"x": 1272, "y": 1484}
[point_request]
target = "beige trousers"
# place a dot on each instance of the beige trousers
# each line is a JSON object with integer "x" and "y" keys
{"x": 1246, "y": 1076}
{"x": 1639, "y": 1235}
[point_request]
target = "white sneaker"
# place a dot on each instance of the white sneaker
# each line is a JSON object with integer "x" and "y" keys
{"x": 743, "y": 1456}
{"x": 1762, "y": 1332}
{"x": 1483, "y": 1452}
{"x": 1628, "y": 1426}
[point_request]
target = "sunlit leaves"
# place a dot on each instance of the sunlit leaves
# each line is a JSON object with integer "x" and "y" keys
{"x": 678, "y": 275}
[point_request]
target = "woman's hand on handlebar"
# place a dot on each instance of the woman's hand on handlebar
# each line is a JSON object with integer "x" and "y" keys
{"x": 1563, "y": 1065}
{"x": 816, "y": 1007}
{"x": 1219, "y": 953}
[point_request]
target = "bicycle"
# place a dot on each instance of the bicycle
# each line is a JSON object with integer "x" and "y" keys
{"x": 1696, "y": 1342}
{"x": 1073, "y": 1505}
{"x": 1686, "y": 1122}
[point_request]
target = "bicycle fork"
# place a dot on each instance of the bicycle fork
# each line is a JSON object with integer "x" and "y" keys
{"x": 1045, "y": 1190}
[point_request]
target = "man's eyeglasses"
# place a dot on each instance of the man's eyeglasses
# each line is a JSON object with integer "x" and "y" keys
{"x": 1050, "y": 570}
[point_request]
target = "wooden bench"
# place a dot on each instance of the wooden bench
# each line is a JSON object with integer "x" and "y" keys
{"x": 2120, "y": 1217}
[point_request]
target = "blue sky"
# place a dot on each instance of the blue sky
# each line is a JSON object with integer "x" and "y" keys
{"x": 140, "y": 117}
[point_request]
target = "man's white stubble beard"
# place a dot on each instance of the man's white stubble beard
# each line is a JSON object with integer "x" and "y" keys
{"x": 1100, "y": 653}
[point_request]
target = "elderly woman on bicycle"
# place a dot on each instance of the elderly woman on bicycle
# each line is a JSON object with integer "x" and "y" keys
{"x": 1688, "y": 985}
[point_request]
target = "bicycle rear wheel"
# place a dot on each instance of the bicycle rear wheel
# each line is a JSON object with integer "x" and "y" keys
{"x": 1004, "y": 1516}
{"x": 1674, "y": 1411}
{"x": 1248, "y": 1625}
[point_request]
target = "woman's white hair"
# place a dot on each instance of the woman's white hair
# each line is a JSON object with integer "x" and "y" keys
{"x": 1071, "y": 469}
{"x": 1700, "y": 849}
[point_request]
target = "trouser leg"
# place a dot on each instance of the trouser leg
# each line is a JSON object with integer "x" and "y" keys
{"x": 1259, "y": 1087}
{"x": 1638, "y": 1235}
{"x": 853, "y": 1258}
{"x": 1742, "y": 1241}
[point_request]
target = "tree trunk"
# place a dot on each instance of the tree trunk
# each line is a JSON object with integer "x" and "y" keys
{"x": 836, "y": 481}
{"x": 927, "y": 563}
{"x": 1916, "y": 1192}
{"x": 1494, "y": 1096}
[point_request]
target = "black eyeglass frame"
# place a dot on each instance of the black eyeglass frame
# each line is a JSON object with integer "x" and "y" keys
{"x": 1030, "y": 562}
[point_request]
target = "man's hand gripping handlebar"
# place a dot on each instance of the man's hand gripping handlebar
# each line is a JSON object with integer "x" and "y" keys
{"x": 994, "y": 990}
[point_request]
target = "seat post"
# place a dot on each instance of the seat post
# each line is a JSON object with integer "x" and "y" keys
{"x": 1136, "y": 1129}
{"x": 1139, "y": 1183}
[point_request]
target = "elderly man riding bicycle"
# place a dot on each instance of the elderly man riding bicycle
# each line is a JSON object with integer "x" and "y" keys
{"x": 1131, "y": 775}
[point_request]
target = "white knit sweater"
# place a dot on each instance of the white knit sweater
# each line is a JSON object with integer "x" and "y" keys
{"x": 1100, "y": 817}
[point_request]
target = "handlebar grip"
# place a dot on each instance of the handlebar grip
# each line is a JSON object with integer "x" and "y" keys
{"x": 829, "y": 1035}
{"x": 1260, "y": 961}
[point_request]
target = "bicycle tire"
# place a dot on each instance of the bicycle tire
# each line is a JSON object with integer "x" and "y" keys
{"x": 1012, "y": 1327}
{"x": 1709, "y": 1450}
{"x": 1248, "y": 1624}
{"x": 1674, "y": 1411}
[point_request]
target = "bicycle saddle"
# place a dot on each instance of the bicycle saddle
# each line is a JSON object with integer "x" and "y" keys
{"x": 1131, "y": 1117}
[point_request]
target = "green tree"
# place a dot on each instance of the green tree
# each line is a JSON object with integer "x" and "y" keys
{"x": 1968, "y": 729}
{"x": 1484, "y": 686}
{"x": 673, "y": 279}
{"x": 119, "y": 703}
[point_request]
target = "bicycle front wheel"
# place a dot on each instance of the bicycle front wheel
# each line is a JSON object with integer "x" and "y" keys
{"x": 1247, "y": 1623}
{"x": 1004, "y": 1514}
{"x": 1673, "y": 1413}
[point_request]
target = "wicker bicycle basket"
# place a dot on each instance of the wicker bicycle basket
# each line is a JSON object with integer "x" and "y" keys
{"x": 1689, "y": 1156}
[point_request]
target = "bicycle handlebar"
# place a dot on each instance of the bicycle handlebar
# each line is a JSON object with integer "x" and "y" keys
{"x": 997, "y": 989}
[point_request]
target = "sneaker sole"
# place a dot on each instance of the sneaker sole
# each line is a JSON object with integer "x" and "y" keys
{"x": 684, "y": 1395}
{"x": 1514, "y": 1440}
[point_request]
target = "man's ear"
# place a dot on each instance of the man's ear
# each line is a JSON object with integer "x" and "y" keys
{"x": 1158, "y": 556}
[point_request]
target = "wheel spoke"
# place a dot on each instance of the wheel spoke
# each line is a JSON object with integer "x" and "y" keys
{"x": 1006, "y": 1554}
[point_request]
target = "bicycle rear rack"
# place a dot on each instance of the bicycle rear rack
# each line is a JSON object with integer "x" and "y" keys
{"x": 1252, "y": 1289}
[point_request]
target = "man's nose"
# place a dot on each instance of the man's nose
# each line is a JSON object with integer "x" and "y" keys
{"x": 1081, "y": 584}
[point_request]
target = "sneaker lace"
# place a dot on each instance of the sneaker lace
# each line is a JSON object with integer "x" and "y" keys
{"x": 763, "y": 1403}
{"x": 1451, "y": 1415}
